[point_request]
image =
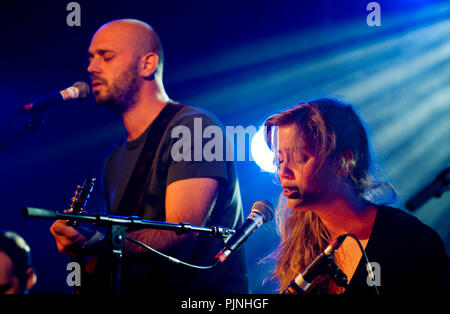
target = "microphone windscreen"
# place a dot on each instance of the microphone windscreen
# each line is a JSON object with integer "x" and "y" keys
{"x": 265, "y": 208}
{"x": 83, "y": 88}
{"x": 38, "y": 213}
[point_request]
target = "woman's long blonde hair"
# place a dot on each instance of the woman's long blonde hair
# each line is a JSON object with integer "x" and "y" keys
{"x": 331, "y": 127}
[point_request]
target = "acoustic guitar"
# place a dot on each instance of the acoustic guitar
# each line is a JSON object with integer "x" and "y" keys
{"x": 77, "y": 206}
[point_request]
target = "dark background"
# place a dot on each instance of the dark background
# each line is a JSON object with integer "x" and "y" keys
{"x": 242, "y": 60}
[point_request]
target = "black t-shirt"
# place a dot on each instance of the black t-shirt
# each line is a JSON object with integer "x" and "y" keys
{"x": 153, "y": 273}
{"x": 411, "y": 257}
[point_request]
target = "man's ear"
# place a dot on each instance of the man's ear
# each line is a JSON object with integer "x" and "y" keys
{"x": 346, "y": 163}
{"x": 32, "y": 278}
{"x": 149, "y": 64}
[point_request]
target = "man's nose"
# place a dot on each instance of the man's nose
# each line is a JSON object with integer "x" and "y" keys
{"x": 94, "y": 66}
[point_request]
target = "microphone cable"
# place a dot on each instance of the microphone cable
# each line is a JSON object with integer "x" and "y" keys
{"x": 369, "y": 269}
{"x": 170, "y": 258}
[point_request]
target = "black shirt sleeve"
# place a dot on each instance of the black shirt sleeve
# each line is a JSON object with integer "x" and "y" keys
{"x": 197, "y": 147}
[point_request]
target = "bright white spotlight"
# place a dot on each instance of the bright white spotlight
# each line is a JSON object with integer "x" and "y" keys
{"x": 261, "y": 153}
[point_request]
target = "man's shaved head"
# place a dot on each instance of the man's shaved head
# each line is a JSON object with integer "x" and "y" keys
{"x": 138, "y": 35}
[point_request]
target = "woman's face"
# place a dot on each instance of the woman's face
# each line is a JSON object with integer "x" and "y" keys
{"x": 302, "y": 184}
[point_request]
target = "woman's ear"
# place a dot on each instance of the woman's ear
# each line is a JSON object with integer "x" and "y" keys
{"x": 149, "y": 63}
{"x": 346, "y": 163}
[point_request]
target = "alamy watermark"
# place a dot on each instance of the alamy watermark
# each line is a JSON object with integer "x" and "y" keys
{"x": 374, "y": 17}
{"x": 375, "y": 269}
{"x": 73, "y": 279}
{"x": 210, "y": 143}
{"x": 74, "y": 17}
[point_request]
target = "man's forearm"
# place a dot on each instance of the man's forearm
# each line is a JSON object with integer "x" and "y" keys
{"x": 161, "y": 240}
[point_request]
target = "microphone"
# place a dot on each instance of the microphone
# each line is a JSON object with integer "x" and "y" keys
{"x": 434, "y": 188}
{"x": 302, "y": 282}
{"x": 78, "y": 90}
{"x": 261, "y": 212}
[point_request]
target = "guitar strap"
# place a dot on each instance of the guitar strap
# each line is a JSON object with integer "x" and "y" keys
{"x": 133, "y": 199}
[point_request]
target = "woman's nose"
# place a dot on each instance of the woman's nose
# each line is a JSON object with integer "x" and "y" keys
{"x": 285, "y": 172}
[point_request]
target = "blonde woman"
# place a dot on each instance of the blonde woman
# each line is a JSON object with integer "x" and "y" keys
{"x": 323, "y": 157}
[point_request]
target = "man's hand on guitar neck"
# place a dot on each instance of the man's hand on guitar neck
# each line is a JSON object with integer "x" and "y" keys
{"x": 68, "y": 239}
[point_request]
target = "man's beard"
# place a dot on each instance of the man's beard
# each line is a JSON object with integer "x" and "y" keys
{"x": 121, "y": 94}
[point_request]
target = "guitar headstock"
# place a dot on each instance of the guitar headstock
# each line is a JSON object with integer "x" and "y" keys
{"x": 82, "y": 193}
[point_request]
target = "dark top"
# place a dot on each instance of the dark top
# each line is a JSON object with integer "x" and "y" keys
{"x": 154, "y": 274}
{"x": 411, "y": 257}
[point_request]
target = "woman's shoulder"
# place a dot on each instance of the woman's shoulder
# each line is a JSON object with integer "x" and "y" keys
{"x": 397, "y": 220}
{"x": 397, "y": 223}
{"x": 405, "y": 247}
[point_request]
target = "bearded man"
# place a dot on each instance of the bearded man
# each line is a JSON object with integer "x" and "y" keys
{"x": 141, "y": 177}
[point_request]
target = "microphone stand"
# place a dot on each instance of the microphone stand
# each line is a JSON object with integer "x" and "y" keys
{"x": 338, "y": 276}
{"x": 32, "y": 124}
{"x": 117, "y": 228}
{"x": 435, "y": 188}
{"x": 325, "y": 266}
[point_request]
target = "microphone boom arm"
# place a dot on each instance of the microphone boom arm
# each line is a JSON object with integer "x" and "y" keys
{"x": 117, "y": 228}
{"x": 130, "y": 221}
